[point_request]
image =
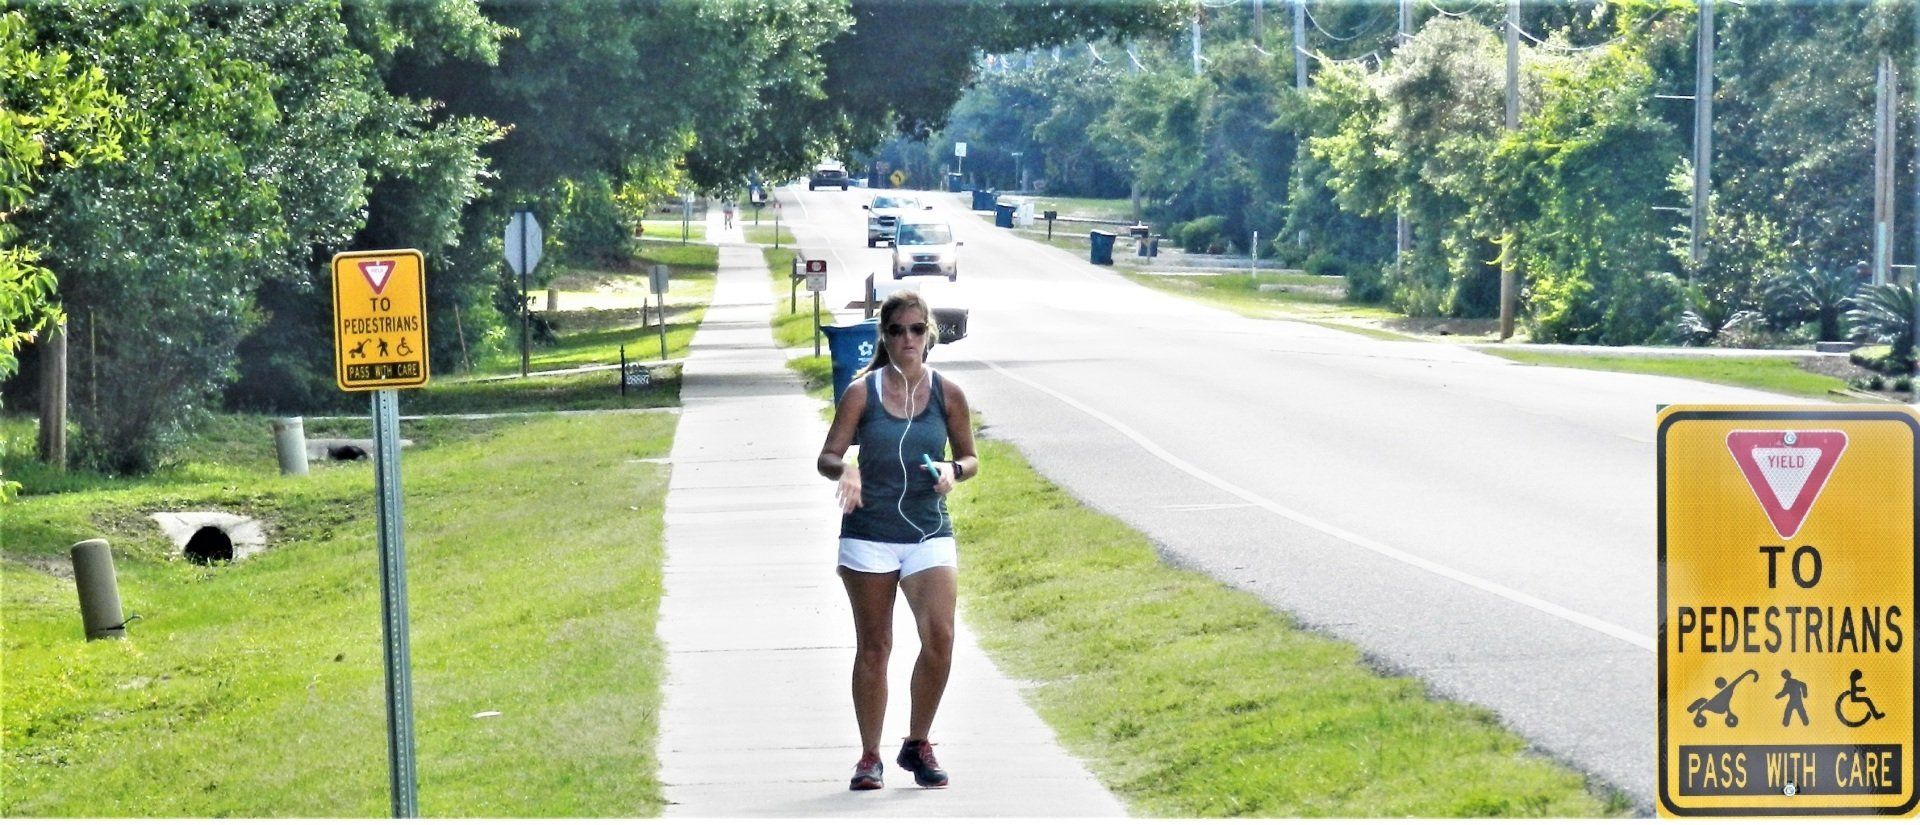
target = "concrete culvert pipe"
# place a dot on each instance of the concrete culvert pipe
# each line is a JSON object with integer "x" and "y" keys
{"x": 208, "y": 537}
{"x": 208, "y": 545}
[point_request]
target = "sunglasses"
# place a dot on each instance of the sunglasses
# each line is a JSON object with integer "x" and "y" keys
{"x": 896, "y": 330}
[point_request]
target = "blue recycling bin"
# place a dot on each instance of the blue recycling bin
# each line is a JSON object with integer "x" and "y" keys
{"x": 983, "y": 200}
{"x": 852, "y": 346}
{"x": 1003, "y": 215}
{"x": 954, "y": 184}
{"x": 1102, "y": 243}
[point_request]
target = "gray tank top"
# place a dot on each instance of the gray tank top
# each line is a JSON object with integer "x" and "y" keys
{"x": 886, "y": 514}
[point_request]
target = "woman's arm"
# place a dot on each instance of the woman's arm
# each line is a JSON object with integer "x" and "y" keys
{"x": 959, "y": 436}
{"x": 832, "y": 462}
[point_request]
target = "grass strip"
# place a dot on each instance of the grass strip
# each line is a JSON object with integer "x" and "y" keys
{"x": 255, "y": 689}
{"x": 667, "y": 231}
{"x": 767, "y": 235}
{"x": 1783, "y": 375}
{"x": 1189, "y": 698}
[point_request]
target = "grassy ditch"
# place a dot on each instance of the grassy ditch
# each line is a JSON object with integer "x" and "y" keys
{"x": 1192, "y": 699}
{"x": 255, "y": 689}
{"x": 1288, "y": 296}
{"x": 1782, "y": 375}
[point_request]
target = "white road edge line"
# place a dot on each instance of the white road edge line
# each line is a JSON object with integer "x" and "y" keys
{"x": 1636, "y": 639}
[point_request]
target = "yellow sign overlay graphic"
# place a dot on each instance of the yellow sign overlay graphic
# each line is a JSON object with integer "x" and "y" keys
{"x": 380, "y": 319}
{"x": 1787, "y": 626}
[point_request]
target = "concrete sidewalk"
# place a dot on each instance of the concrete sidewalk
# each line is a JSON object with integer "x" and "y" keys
{"x": 758, "y": 711}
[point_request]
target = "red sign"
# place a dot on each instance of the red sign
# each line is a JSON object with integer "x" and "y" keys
{"x": 1787, "y": 469}
{"x": 816, "y": 267}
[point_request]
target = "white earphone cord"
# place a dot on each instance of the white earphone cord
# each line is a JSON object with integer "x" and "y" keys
{"x": 900, "y": 506}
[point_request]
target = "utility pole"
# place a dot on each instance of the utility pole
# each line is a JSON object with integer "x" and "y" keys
{"x": 1259, "y": 21}
{"x": 1508, "y": 285}
{"x": 1402, "y": 230}
{"x": 1300, "y": 79}
{"x": 1196, "y": 44}
{"x": 1702, "y": 137}
{"x": 1885, "y": 131}
{"x": 1300, "y": 45}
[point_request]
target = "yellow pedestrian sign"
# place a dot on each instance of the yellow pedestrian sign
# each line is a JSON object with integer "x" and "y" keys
{"x": 1787, "y": 580}
{"x": 380, "y": 319}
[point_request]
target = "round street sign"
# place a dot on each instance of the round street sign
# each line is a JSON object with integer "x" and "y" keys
{"x": 1786, "y": 586}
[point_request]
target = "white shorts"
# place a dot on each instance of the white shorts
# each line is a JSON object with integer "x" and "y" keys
{"x": 909, "y": 558}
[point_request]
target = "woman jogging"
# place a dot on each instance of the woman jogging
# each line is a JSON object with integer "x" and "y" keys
{"x": 895, "y": 531}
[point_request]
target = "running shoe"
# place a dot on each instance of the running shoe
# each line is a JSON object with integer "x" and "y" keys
{"x": 918, "y": 757}
{"x": 866, "y": 775}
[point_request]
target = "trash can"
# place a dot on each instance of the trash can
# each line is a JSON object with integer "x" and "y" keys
{"x": 1003, "y": 215}
{"x": 952, "y": 322}
{"x": 983, "y": 200}
{"x": 852, "y": 346}
{"x": 954, "y": 184}
{"x": 1102, "y": 243}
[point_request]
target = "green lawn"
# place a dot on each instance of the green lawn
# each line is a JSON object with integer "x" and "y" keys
{"x": 255, "y": 689}
{"x": 667, "y": 230}
{"x": 1782, "y": 375}
{"x": 764, "y": 234}
{"x": 1108, "y": 209}
{"x": 1192, "y": 699}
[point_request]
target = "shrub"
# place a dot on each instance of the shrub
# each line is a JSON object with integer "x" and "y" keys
{"x": 1203, "y": 234}
{"x": 1327, "y": 263}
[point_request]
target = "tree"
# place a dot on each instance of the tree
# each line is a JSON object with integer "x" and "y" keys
{"x": 54, "y": 114}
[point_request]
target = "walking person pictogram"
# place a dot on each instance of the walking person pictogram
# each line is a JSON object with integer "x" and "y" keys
{"x": 383, "y": 348}
{"x": 1795, "y": 692}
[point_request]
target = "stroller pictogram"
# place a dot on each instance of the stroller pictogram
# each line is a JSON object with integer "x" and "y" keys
{"x": 1720, "y": 702}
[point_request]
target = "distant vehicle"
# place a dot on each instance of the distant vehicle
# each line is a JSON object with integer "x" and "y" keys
{"x": 884, "y": 212}
{"x": 829, "y": 174}
{"x": 925, "y": 247}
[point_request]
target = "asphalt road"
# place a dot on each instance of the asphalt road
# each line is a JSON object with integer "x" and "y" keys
{"x": 1486, "y": 526}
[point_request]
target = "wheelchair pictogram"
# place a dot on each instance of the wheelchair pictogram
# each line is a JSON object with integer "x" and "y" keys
{"x": 1844, "y": 705}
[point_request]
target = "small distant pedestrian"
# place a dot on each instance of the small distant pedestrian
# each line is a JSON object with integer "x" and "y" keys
{"x": 895, "y": 531}
{"x": 1795, "y": 692}
{"x": 726, "y": 208}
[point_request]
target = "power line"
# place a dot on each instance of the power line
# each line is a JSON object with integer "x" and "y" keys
{"x": 1444, "y": 12}
{"x": 1357, "y": 34}
{"x": 1558, "y": 48}
{"x": 1373, "y": 56}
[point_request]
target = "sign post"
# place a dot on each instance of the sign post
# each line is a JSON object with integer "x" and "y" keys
{"x": 816, "y": 284}
{"x": 660, "y": 274}
{"x": 523, "y": 243}
{"x": 380, "y": 344}
{"x": 959, "y": 155}
{"x": 1787, "y": 582}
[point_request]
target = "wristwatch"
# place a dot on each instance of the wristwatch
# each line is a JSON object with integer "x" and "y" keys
{"x": 956, "y": 471}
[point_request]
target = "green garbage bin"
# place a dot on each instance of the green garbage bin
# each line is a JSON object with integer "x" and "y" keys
{"x": 1102, "y": 243}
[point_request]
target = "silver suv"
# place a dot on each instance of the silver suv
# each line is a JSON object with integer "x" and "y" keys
{"x": 886, "y": 212}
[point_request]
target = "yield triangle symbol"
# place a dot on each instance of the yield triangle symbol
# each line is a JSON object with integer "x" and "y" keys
{"x": 1787, "y": 469}
{"x": 377, "y": 273}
